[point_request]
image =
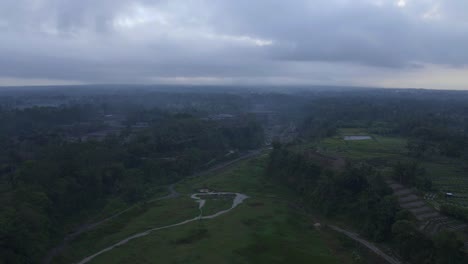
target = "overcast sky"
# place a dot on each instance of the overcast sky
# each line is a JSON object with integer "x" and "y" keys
{"x": 388, "y": 43}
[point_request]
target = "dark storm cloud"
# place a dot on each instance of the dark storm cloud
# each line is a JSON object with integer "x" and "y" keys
{"x": 356, "y": 31}
{"x": 143, "y": 40}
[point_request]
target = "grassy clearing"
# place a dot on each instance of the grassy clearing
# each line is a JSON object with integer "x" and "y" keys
{"x": 377, "y": 150}
{"x": 139, "y": 219}
{"x": 346, "y": 248}
{"x": 104, "y": 209}
{"x": 249, "y": 235}
{"x": 447, "y": 175}
{"x": 243, "y": 178}
{"x": 264, "y": 229}
{"x": 215, "y": 204}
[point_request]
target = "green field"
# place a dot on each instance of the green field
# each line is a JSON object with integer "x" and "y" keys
{"x": 264, "y": 229}
{"x": 138, "y": 219}
{"x": 379, "y": 150}
{"x": 216, "y": 204}
{"x": 447, "y": 175}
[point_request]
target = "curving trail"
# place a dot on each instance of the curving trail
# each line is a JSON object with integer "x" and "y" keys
{"x": 70, "y": 237}
{"x": 367, "y": 244}
{"x": 238, "y": 199}
{"x": 172, "y": 194}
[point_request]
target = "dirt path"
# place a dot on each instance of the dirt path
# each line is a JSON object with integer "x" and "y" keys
{"x": 352, "y": 235}
{"x": 70, "y": 237}
{"x": 172, "y": 194}
{"x": 238, "y": 199}
{"x": 367, "y": 244}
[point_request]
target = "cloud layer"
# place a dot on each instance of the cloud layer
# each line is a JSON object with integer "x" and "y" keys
{"x": 354, "y": 42}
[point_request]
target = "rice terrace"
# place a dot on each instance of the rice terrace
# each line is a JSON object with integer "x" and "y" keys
{"x": 353, "y": 176}
{"x": 234, "y": 132}
{"x": 448, "y": 176}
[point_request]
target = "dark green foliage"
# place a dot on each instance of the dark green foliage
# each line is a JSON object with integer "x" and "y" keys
{"x": 360, "y": 193}
{"x": 294, "y": 170}
{"x": 411, "y": 174}
{"x": 378, "y": 216}
{"x": 52, "y": 184}
{"x": 411, "y": 243}
{"x": 455, "y": 211}
{"x": 357, "y": 191}
{"x": 193, "y": 236}
{"x": 434, "y": 126}
{"x": 405, "y": 215}
{"x": 415, "y": 247}
{"x": 449, "y": 249}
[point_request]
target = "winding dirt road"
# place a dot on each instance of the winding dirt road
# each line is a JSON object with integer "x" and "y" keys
{"x": 238, "y": 199}
{"x": 172, "y": 194}
{"x": 84, "y": 228}
{"x": 367, "y": 244}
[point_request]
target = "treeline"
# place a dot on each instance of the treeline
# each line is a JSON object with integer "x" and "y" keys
{"x": 43, "y": 196}
{"x": 412, "y": 175}
{"x": 358, "y": 194}
{"x": 435, "y": 125}
{"x": 456, "y": 211}
{"x": 24, "y": 132}
{"x": 35, "y": 120}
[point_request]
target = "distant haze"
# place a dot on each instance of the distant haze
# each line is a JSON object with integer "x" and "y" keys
{"x": 385, "y": 43}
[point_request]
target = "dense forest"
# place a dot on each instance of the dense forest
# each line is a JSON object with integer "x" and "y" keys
{"x": 435, "y": 123}
{"x": 359, "y": 195}
{"x": 51, "y": 178}
{"x": 435, "y": 128}
{"x": 65, "y": 157}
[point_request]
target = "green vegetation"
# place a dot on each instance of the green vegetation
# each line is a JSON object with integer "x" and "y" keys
{"x": 420, "y": 144}
{"x": 216, "y": 203}
{"x": 388, "y": 153}
{"x": 138, "y": 219}
{"x": 92, "y": 156}
{"x": 379, "y": 150}
{"x": 51, "y": 186}
{"x": 357, "y": 195}
{"x": 264, "y": 229}
{"x": 449, "y": 176}
{"x": 455, "y": 211}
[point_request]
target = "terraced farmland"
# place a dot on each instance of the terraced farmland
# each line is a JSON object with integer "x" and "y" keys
{"x": 447, "y": 175}
{"x": 431, "y": 220}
